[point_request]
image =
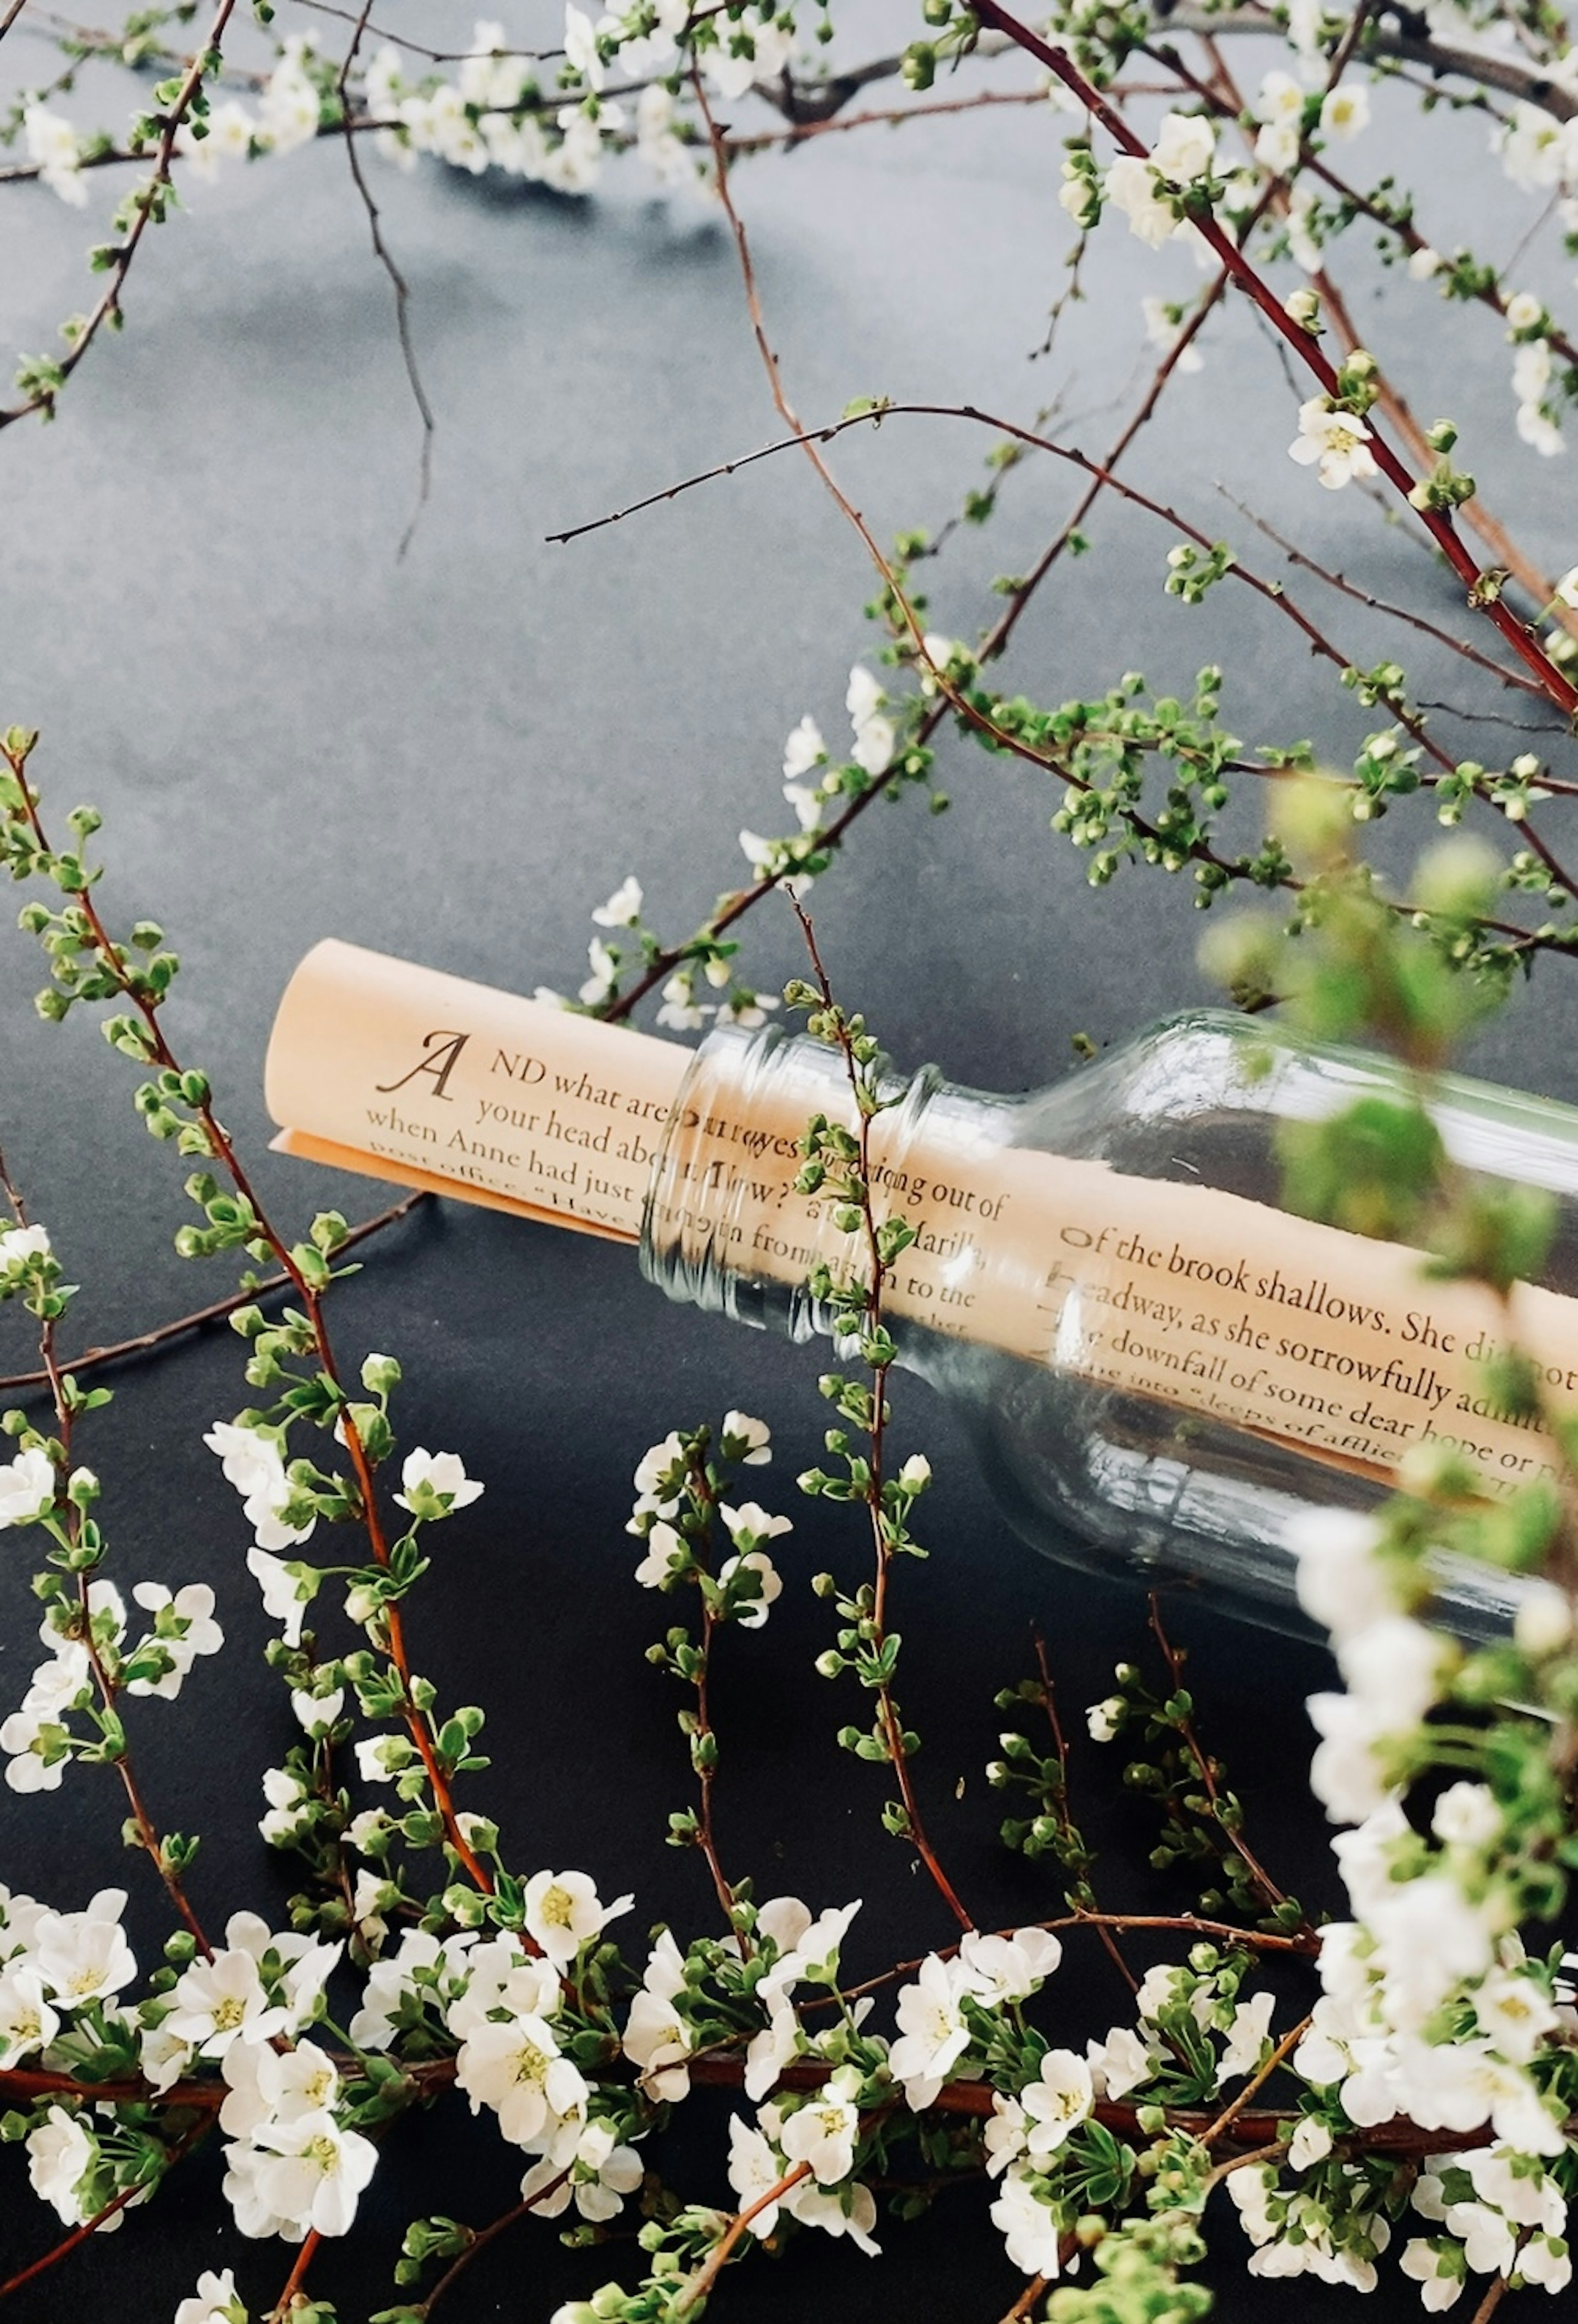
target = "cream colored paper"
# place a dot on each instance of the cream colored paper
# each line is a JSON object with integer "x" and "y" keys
{"x": 403, "y": 1072}
{"x": 1202, "y": 1300}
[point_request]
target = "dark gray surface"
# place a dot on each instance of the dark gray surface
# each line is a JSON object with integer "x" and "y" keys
{"x": 291, "y": 735}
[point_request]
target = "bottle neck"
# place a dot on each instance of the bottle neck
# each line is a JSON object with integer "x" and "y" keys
{"x": 726, "y": 1230}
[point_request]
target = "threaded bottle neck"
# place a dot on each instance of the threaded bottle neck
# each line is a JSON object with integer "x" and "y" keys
{"x": 724, "y": 1228}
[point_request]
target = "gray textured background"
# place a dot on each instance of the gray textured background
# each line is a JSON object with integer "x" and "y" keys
{"x": 291, "y": 735}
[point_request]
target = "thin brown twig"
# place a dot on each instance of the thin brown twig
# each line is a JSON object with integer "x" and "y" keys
{"x": 707, "y": 2275}
{"x": 1271, "y": 1895}
{"x": 10, "y": 16}
{"x": 1306, "y": 351}
{"x": 111, "y": 961}
{"x": 1027, "y": 2300}
{"x": 888, "y": 1708}
{"x": 486, "y": 2236}
{"x": 281, "y": 2312}
{"x": 120, "y": 1349}
{"x": 1492, "y": 2300}
{"x": 79, "y": 2235}
{"x": 401, "y": 287}
{"x": 107, "y": 305}
{"x": 1257, "y": 2082}
{"x": 1109, "y": 1937}
{"x": 148, "y": 1834}
{"x": 1340, "y": 582}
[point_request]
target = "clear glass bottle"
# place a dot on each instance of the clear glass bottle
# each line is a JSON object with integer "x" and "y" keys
{"x": 1160, "y": 1368}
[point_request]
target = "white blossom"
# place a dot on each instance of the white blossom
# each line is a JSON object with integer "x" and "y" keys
{"x": 933, "y": 2030}
{"x": 750, "y": 1614}
{"x": 730, "y": 71}
{"x": 751, "y": 1524}
{"x": 283, "y": 1596}
{"x": 1424, "y": 264}
{"x": 848, "y": 2210}
{"x": 1311, "y": 2143}
{"x": 1543, "y": 1624}
{"x": 27, "y": 1488}
{"x": 290, "y": 111}
{"x": 85, "y": 1957}
{"x": 19, "y": 1244}
{"x": 656, "y": 2038}
{"x": 1467, "y": 1815}
{"x": 1029, "y": 2229}
{"x": 215, "y": 2302}
{"x": 599, "y": 985}
{"x": 803, "y": 750}
{"x": 679, "y": 1009}
{"x": 660, "y": 1477}
{"x": 516, "y": 2069}
{"x": 740, "y": 1429}
{"x": 778, "y": 2043}
{"x": 425, "y": 1473}
{"x": 194, "y": 1606}
{"x": 1010, "y": 1968}
{"x": 665, "y": 1556}
{"x": 1342, "y": 1583}
{"x": 1185, "y": 148}
{"x": 1130, "y": 185}
{"x": 624, "y": 907}
{"x": 1120, "y": 2063}
{"x": 562, "y": 1913}
{"x": 1104, "y": 1721}
{"x": 1537, "y": 150}
{"x": 598, "y": 2176}
{"x": 27, "y": 2022}
{"x": 52, "y": 143}
{"x": 38, "y": 1748}
{"x": 1247, "y": 2035}
{"x": 1345, "y": 112}
{"x": 754, "y": 2169}
{"x": 823, "y": 2132}
{"x": 1054, "y": 2103}
{"x": 313, "y": 2170}
{"x": 874, "y": 733}
{"x": 219, "y": 2001}
{"x": 254, "y": 1464}
{"x": 60, "y": 2153}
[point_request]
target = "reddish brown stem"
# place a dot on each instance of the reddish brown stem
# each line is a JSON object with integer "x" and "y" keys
{"x": 69, "y": 2243}
{"x": 222, "y": 1151}
{"x": 1306, "y": 350}
{"x": 888, "y": 1708}
{"x": 145, "y": 1341}
{"x": 281, "y": 2312}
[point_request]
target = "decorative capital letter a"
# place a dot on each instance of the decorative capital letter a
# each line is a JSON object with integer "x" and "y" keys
{"x": 439, "y": 1063}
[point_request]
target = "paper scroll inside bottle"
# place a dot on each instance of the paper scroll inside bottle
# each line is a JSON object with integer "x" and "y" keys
{"x": 1204, "y": 1300}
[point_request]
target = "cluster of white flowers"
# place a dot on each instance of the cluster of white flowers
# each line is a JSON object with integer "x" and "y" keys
{"x": 1539, "y": 153}
{"x": 291, "y": 2165}
{"x": 1532, "y": 366}
{"x": 1185, "y": 152}
{"x": 289, "y": 113}
{"x": 820, "y": 2136}
{"x": 488, "y": 116}
{"x": 660, "y": 1482}
{"x": 36, "y": 1736}
{"x": 254, "y": 1464}
{"x": 1429, "y": 2008}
